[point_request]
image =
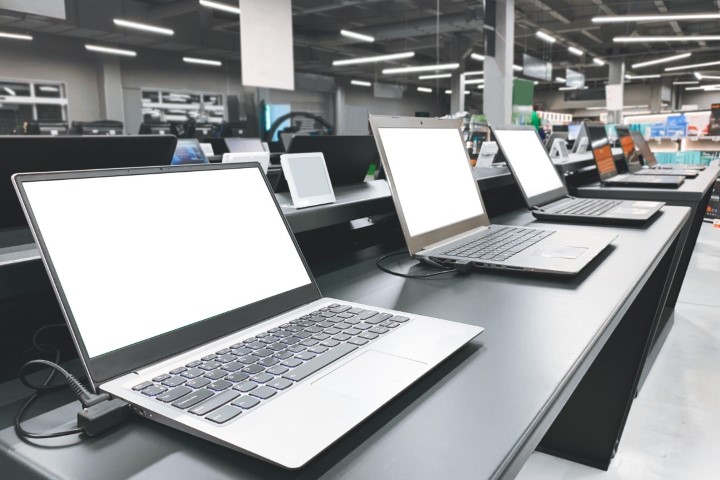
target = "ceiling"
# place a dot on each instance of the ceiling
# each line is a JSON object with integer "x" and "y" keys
{"x": 437, "y": 30}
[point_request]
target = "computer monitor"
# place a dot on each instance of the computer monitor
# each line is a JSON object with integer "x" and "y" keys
{"x": 204, "y": 130}
{"x": 188, "y": 151}
{"x": 573, "y": 131}
{"x": 47, "y": 128}
{"x": 53, "y": 153}
{"x": 560, "y": 129}
{"x": 102, "y": 127}
{"x": 582, "y": 142}
{"x": 153, "y": 128}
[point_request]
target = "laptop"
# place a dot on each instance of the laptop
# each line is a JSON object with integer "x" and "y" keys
{"x": 263, "y": 158}
{"x": 546, "y": 194}
{"x": 632, "y": 158}
{"x": 651, "y": 162}
{"x": 173, "y": 310}
{"x": 244, "y": 145}
{"x": 582, "y": 141}
{"x": 189, "y": 152}
{"x": 441, "y": 210}
{"x": 54, "y": 153}
{"x": 602, "y": 153}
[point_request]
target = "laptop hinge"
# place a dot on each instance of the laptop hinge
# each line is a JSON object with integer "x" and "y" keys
{"x": 537, "y": 209}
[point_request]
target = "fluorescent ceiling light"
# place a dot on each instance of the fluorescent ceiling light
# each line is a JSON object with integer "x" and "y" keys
{"x": 536, "y": 82}
{"x": 545, "y": 37}
{"x": 421, "y": 68}
{"x": 684, "y": 38}
{"x": 480, "y": 87}
{"x": 360, "y": 83}
{"x": 576, "y": 51}
{"x": 478, "y": 57}
{"x": 698, "y": 75}
{"x": 475, "y": 81}
{"x": 113, "y": 51}
{"x": 424, "y": 89}
{"x": 517, "y": 68}
{"x": 474, "y": 72}
{"x": 705, "y": 87}
{"x": 656, "y": 18}
{"x": 435, "y": 75}
{"x": 142, "y": 26}
{"x": 376, "y": 58}
{"x": 202, "y": 61}
{"x": 560, "y": 79}
{"x": 357, "y": 36}
{"x": 15, "y": 36}
{"x": 598, "y": 61}
{"x": 661, "y": 60}
{"x": 449, "y": 92}
{"x": 10, "y": 91}
{"x": 690, "y": 67}
{"x": 596, "y": 108}
{"x": 642, "y": 77}
{"x": 563, "y": 89}
{"x": 220, "y": 6}
{"x": 689, "y": 82}
{"x": 48, "y": 88}
{"x": 703, "y": 77}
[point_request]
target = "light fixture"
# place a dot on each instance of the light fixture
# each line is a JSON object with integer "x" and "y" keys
{"x": 475, "y": 81}
{"x": 536, "y": 82}
{"x": 15, "y": 36}
{"x": 641, "y": 77}
{"x": 545, "y": 37}
{"x": 596, "y": 108}
{"x": 705, "y": 87}
{"x": 10, "y": 91}
{"x": 576, "y": 51}
{"x": 560, "y": 79}
{"x": 424, "y": 89}
{"x": 467, "y": 92}
{"x": 202, "y": 61}
{"x": 449, "y": 92}
{"x": 661, "y": 60}
{"x": 478, "y": 57}
{"x": 360, "y": 83}
{"x": 473, "y": 72}
{"x": 564, "y": 89}
{"x": 421, "y": 68}
{"x": 598, "y": 61}
{"x": 357, "y": 36}
{"x": 517, "y": 68}
{"x": 220, "y": 6}
{"x": 698, "y": 75}
{"x": 688, "y": 82}
{"x": 112, "y": 51}
{"x": 376, "y": 58}
{"x": 435, "y": 75}
{"x": 48, "y": 88}
{"x": 142, "y": 26}
{"x": 480, "y": 87}
{"x": 656, "y": 18}
{"x": 684, "y": 38}
{"x": 690, "y": 67}
{"x": 703, "y": 77}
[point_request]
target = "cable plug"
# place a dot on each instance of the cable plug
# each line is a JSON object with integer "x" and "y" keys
{"x": 103, "y": 415}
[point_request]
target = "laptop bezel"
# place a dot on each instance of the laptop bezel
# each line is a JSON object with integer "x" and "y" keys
{"x": 542, "y": 198}
{"x": 593, "y": 147}
{"x": 130, "y": 358}
{"x": 419, "y": 242}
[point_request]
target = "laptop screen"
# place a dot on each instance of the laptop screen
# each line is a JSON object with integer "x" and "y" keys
{"x": 602, "y": 151}
{"x": 240, "y": 145}
{"x": 432, "y": 177}
{"x": 645, "y": 151}
{"x": 628, "y": 147}
{"x": 529, "y": 161}
{"x": 138, "y": 256}
{"x": 187, "y": 152}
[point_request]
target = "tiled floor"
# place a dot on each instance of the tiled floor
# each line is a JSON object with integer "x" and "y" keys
{"x": 673, "y": 432}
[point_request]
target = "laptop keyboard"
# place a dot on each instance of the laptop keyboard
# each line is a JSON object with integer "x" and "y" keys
{"x": 589, "y": 207}
{"x": 500, "y": 243}
{"x": 223, "y": 385}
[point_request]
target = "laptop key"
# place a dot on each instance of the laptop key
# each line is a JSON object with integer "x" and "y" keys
{"x": 305, "y": 356}
{"x": 160, "y": 378}
{"x": 331, "y": 331}
{"x": 296, "y": 348}
{"x": 358, "y": 341}
{"x": 263, "y": 392}
{"x": 245, "y": 402}
{"x": 248, "y": 359}
{"x": 268, "y": 362}
{"x": 241, "y": 351}
{"x": 368, "y": 335}
{"x": 342, "y": 337}
{"x": 214, "y": 402}
{"x": 192, "y": 373}
{"x": 245, "y": 386}
{"x": 237, "y": 377}
{"x": 193, "y": 399}
{"x": 303, "y": 334}
{"x": 233, "y": 366}
{"x": 174, "y": 394}
{"x": 211, "y": 365}
{"x": 264, "y": 352}
{"x": 198, "y": 382}
{"x": 208, "y": 357}
{"x": 321, "y": 336}
{"x": 255, "y": 345}
{"x": 330, "y": 343}
{"x": 174, "y": 381}
{"x": 262, "y": 378}
{"x": 355, "y": 310}
{"x": 220, "y": 385}
{"x": 365, "y": 314}
{"x": 340, "y": 308}
{"x": 223, "y": 351}
{"x": 141, "y": 386}
{"x": 227, "y": 358}
{"x": 280, "y": 384}
{"x": 362, "y": 326}
{"x": 177, "y": 371}
{"x": 283, "y": 355}
{"x": 253, "y": 369}
{"x": 277, "y": 370}
{"x": 379, "y": 318}
{"x": 292, "y": 362}
{"x": 399, "y": 319}
{"x": 317, "y": 363}
{"x": 224, "y": 414}
{"x": 154, "y": 390}
{"x": 194, "y": 364}
{"x": 310, "y": 342}
{"x": 317, "y": 349}
{"x": 277, "y": 346}
{"x": 215, "y": 374}
{"x": 352, "y": 331}
{"x": 379, "y": 330}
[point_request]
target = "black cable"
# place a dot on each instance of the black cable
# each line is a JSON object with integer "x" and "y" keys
{"x": 405, "y": 275}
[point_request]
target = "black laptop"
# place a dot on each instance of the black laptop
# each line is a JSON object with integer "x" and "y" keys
{"x": 348, "y": 157}
{"x": 544, "y": 190}
{"x": 632, "y": 158}
{"x": 602, "y": 153}
{"x": 651, "y": 162}
{"x": 56, "y": 153}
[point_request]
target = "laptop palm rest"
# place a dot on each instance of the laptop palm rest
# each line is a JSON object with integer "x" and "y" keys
{"x": 373, "y": 376}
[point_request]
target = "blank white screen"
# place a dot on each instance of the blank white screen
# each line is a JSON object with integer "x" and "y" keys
{"x": 141, "y": 255}
{"x": 529, "y": 160}
{"x": 309, "y": 175}
{"x": 432, "y": 177}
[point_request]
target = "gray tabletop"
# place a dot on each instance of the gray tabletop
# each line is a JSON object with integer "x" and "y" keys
{"x": 480, "y": 414}
{"x": 692, "y": 189}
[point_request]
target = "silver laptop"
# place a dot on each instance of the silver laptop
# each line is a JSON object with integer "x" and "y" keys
{"x": 544, "y": 190}
{"x": 200, "y": 311}
{"x": 442, "y": 213}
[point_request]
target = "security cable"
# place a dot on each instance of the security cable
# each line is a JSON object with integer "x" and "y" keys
{"x": 406, "y": 275}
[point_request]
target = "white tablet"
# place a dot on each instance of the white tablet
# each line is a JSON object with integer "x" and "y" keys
{"x": 307, "y": 178}
{"x": 263, "y": 158}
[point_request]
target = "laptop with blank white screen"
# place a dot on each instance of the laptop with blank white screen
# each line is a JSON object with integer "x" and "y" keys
{"x": 442, "y": 213}
{"x": 205, "y": 317}
{"x": 544, "y": 190}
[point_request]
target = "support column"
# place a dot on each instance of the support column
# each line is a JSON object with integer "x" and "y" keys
{"x": 339, "y": 110}
{"x": 616, "y": 76}
{"x": 457, "y": 97}
{"x": 110, "y": 88}
{"x": 656, "y": 94}
{"x": 498, "y": 65}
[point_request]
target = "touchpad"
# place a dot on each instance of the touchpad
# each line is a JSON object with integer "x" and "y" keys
{"x": 373, "y": 376}
{"x": 558, "y": 251}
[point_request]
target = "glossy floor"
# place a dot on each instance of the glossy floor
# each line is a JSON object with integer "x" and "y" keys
{"x": 673, "y": 431}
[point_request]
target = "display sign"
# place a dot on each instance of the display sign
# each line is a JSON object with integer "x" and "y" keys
{"x": 574, "y": 79}
{"x": 614, "y": 97}
{"x": 537, "y": 68}
{"x": 714, "y": 129}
